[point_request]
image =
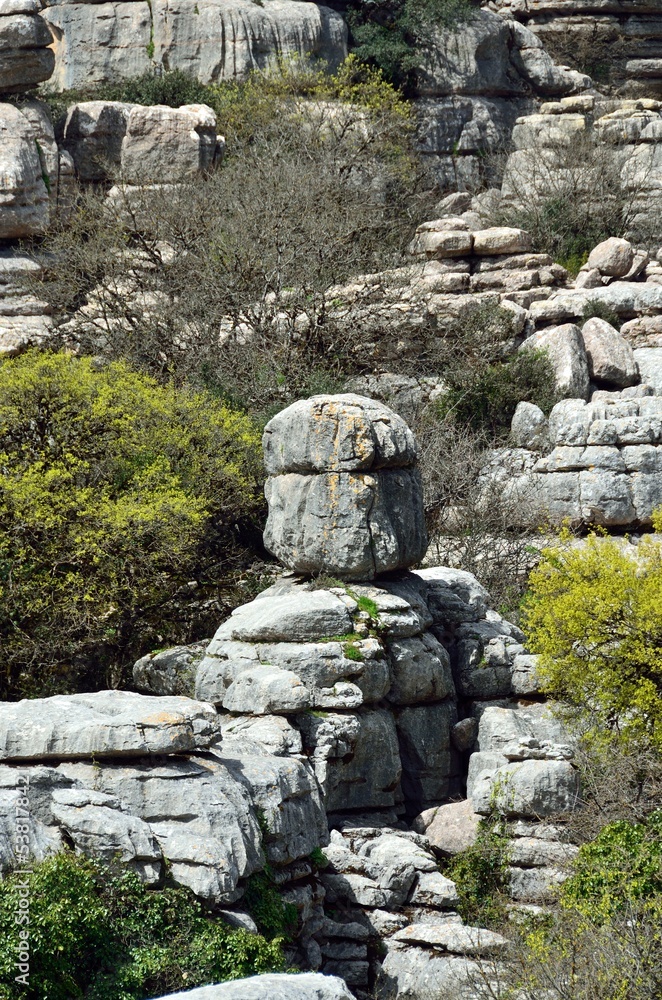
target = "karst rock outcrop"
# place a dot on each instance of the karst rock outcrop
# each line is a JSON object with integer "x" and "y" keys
{"x": 376, "y": 718}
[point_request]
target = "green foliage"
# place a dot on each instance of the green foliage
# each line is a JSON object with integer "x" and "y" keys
{"x": 318, "y": 859}
{"x": 115, "y": 492}
{"x": 99, "y": 933}
{"x": 368, "y": 606}
{"x": 394, "y": 34}
{"x": 275, "y": 919}
{"x": 352, "y": 652}
{"x": 594, "y": 614}
{"x": 480, "y": 873}
{"x": 485, "y": 396}
{"x": 622, "y": 866}
{"x": 594, "y": 307}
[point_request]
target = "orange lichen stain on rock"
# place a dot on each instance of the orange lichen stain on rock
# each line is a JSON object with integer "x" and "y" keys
{"x": 333, "y": 425}
{"x": 162, "y": 718}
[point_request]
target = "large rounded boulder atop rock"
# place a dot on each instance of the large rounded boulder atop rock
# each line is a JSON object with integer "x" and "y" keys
{"x": 344, "y": 493}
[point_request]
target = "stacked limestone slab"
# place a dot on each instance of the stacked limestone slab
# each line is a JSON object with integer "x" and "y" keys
{"x": 212, "y": 40}
{"x": 385, "y": 687}
{"x": 625, "y": 36}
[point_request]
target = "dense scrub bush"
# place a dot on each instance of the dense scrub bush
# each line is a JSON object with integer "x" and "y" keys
{"x": 320, "y": 184}
{"x": 480, "y": 873}
{"x": 570, "y": 195}
{"x": 116, "y": 492}
{"x": 97, "y": 932}
{"x": 594, "y": 614}
{"x": 394, "y": 34}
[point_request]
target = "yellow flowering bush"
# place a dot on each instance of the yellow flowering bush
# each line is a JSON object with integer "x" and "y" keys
{"x": 594, "y": 614}
{"x": 115, "y": 491}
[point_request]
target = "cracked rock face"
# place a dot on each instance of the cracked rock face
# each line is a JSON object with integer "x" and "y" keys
{"x": 344, "y": 492}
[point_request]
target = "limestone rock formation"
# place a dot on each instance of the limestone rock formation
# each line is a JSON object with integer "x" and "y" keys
{"x": 24, "y": 202}
{"x": 208, "y": 39}
{"x": 344, "y": 493}
{"x": 276, "y": 986}
{"x": 25, "y": 56}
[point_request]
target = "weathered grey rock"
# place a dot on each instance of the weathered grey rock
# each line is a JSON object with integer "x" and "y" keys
{"x": 93, "y": 134}
{"x": 211, "y": 41}
{"x": 355, "y": 757}
{"x": 535, "y": 852}
{"x": 454, "y": 596}
{"x": 273, "y": 986}
{"x": 484, "y": 660}
{"x": 501, "y": 240}
{"x": 273, "y": 733}
{"x": 426, "y": 974}
{"x": 350, "y": 525}
{"x": 529, "y": 427}
{"x": 429, "y": 764}
{"x": 453, "y": 937}
{"x": 567, "y": 353}
{"x": 464, "y": 733}
{"x": 610, "y": 357}
{"x": 343, "y": 433}
{"x": 451, "y": 827}
{"x": 435, "y": 890}
{"x": 170, "y": 671}
{"x": 24, "y": 198}
{"x": 649, "y": 362}
{"x": 303, "y": 617}
{"x": 536, "y": 788}
{"x": 388, "y": 848}
{"x": 612, "y": 257}
{"x": 420, "y": 670}
{"x": 524, "y": 678}
{"x": 25, "y": 58}
{"x": 166, "y": 145}
{"x": 106, "y": 723}
{"x": 98, "y": 827}
{"x": 535, "y": 885}
{"x": 264, "y": 690}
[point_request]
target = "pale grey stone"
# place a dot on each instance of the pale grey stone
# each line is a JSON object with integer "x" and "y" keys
{"x": 265, "y": 690}
{"x": 610, "y": 357}
{"x": 26, "y": 59}
{"x": 170, "y": 671}
{"x": 23, "y": 193}
{"x": 566, "y": 351}
{"x": 649, "y": 362}
{"x": 342, "y": 433}
{"x": 612, "y": 257}
{"x": 524, "y": 677}
{"x": 644, "y": 458}
{"x": 99, "y": 828}
{"x": 606, "y": 498}
{"x": 453, "y": 937}
{"x": 501, "y": 240}
{"x": 105, "y": 42}
{"x": 364, "y": 891}
{"x": 236, "y": 918}
{"x": 273, "y": 733}
{"x": 425, "y": 974}
{"x": 529, "y": 428}
{"x": 451, "y": 827}
{"x": 485, "y": 655}
{"x": 646, "y": 494}
{"x": 93, "y": 134}
{"x": 569, "y": 422}
{"x": 420, "y": 670}
{"x": 435, "y": 890}
{"x": 166, "y": 145}
{"x": 103, "y": 724}
{"x": 272, "y": 986}
{"x": 351, "y": 525}
{"x": 389, "y": 848}
{"x": 307, "y": 616}
{"x": 535, "y": 788}
{"x": 534, "y": 852}
{"x": 535, "y": 885}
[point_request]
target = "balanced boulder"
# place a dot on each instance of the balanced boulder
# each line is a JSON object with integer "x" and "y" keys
{"x": 344, "y": 493}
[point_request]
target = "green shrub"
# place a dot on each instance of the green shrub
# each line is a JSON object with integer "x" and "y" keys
{"x": 480, "y": 873}
{"x": 620, "y": 867}
{"x": 101, "y": 934}
{"x": 393, "y": 34}
{"x": 275, "y": 919}
{"x": 115, "y": 493}
{"x": 594, "y": 307}
{"x": 594, "y": 614}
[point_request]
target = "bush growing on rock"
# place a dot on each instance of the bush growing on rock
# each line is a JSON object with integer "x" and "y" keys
{"x": 481, "y": 875}
{"x": 393, "y": 34}
{"x": 594, "y": 614}
{"x": 115, "y": 493}
{"x": 96, "y": 931}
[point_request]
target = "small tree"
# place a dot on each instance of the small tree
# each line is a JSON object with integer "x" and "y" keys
{"x": 594, "y": 614}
